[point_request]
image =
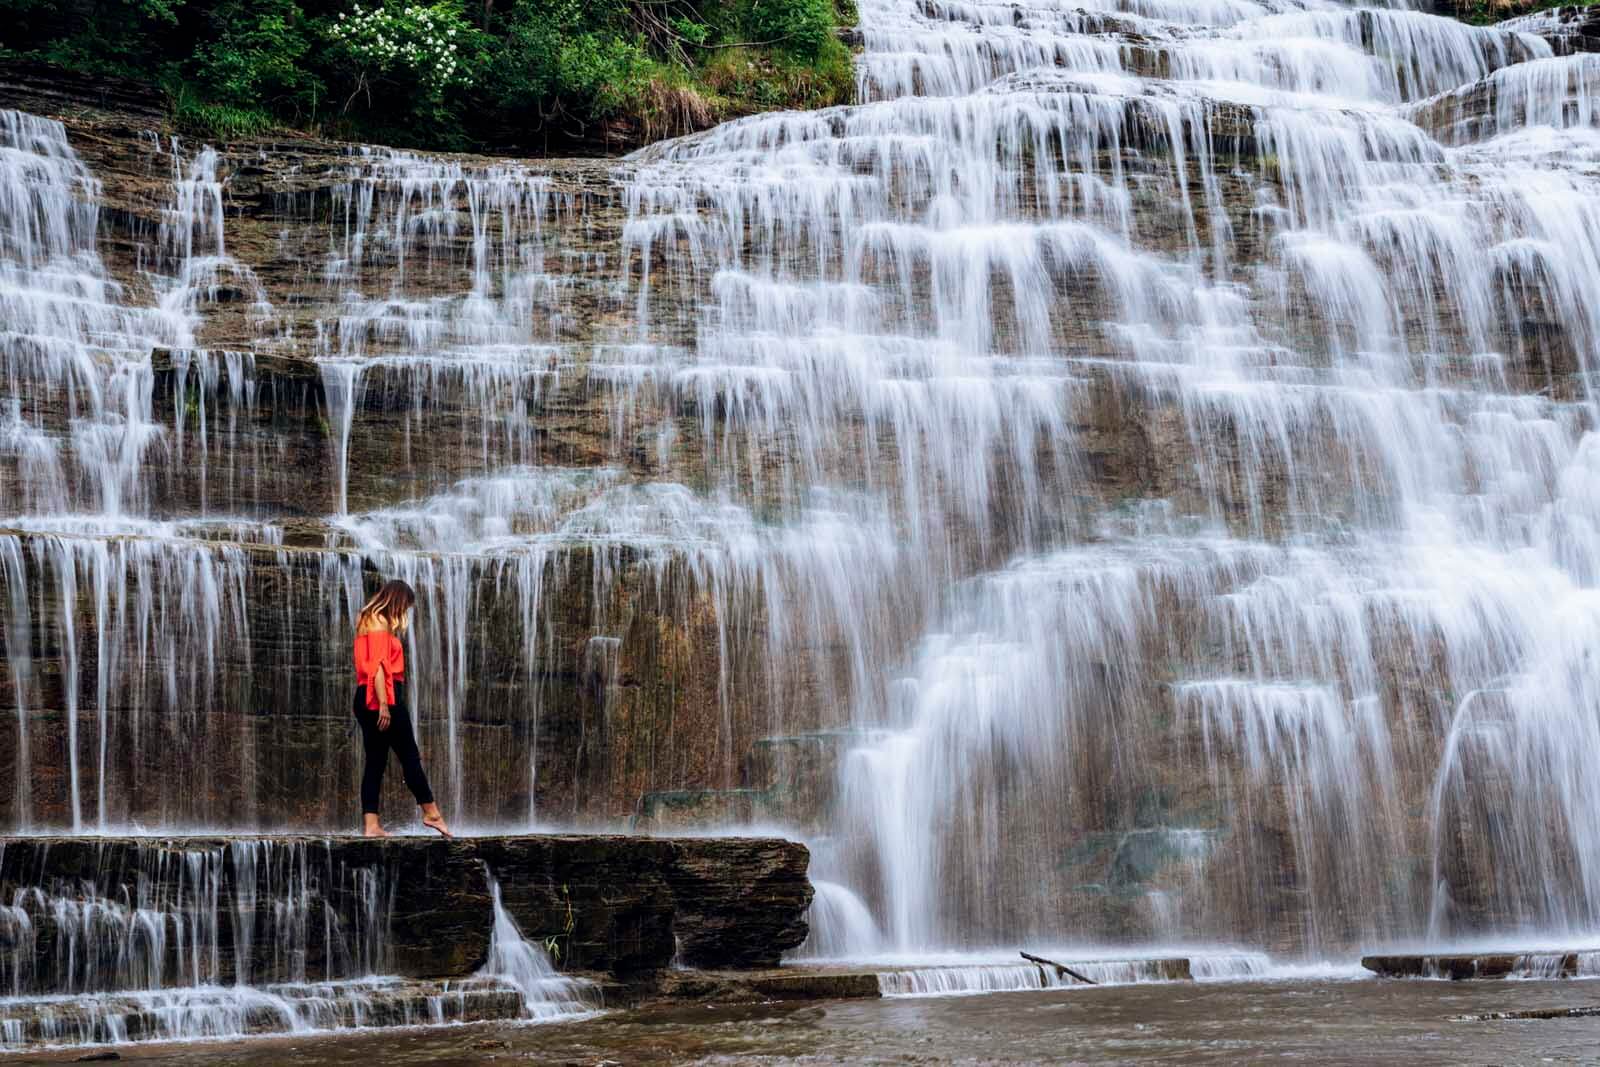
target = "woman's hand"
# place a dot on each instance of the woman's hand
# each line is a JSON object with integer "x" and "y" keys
{"x": 380, "y": 687}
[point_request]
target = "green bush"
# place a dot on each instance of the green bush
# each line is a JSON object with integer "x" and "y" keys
{"x": 118, "y": 37}
{"x": 418, "y": 47}
{"x": 258, "y": 57}
{"x": 565, "y": 57}
{"x": 446, "y": 74}
{"x": 801, "y": 28}
{"x": 601, "y": 72}
{"x": 217, "y": 122}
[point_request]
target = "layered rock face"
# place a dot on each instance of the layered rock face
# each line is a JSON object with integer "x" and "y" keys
{"x": 1126, "y": 479}
{"x": 275, "y": 430}
{"x": 288, "y": 909}
{"x": 138, "y": 938}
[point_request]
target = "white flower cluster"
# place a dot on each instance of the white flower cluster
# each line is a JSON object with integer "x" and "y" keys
{"x": 417, "y": 38}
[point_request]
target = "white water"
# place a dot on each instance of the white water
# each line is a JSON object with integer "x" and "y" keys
{"x": 218, "y": 942}
{"x": 961, "y": 979}
{"x": 1172, "y": 453}
{"x": 840, "y": 924}
{"x": 197, "y": 943}
{"x": 1382, "y": 540}
{"x": 934, "y": 975}
{"x": 526, "y": 967}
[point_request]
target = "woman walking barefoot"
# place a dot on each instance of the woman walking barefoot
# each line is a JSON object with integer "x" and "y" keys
{"x": 381, "y": 708}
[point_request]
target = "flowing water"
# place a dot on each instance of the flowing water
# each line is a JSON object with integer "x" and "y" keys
{"x": 250, "y": 937}
{"x": 1319, "y": 1021}
{"x": 1141, "y": 458}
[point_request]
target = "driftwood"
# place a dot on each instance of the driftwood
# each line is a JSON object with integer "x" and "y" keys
{"x": 1062, "y": 967}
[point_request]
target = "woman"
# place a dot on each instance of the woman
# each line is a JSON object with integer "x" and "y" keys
{"x": 380, "y": 704}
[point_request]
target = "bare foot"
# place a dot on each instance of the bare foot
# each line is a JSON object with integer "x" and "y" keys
{"x": 374, "y": 831}
{"x": 434, "y": 820}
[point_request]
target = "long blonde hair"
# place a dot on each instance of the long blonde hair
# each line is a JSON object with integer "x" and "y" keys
{"x": 390, "y": 606}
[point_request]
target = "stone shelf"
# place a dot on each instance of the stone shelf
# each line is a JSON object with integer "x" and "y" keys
{"x": 627, "y": 906}
{"x": 1508, "y": 964}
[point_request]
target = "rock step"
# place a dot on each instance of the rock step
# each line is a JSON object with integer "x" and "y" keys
{"x": 416, "y": 907}
{"x": 1532, "y": 1013}
{"x": 865, "y": 981}
{"x": 1009, "y": 977}
{"x": 240, "y": 1011}
{"x": 1457, "y": 967}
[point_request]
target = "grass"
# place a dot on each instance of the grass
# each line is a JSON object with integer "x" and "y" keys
{"x": 671, "y": 104}
{"x": 748, "y": 81}
{"x": 218, "y": 122}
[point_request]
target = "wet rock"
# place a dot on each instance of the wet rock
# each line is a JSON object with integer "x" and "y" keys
{"x": 817, "y": 987}
{"x": 1460, "y": 967}
{"x": 148, "y": 1016}
{"x": 277, "y": 734}
{"x": 622, "y": 905}
{"x": 1558, "y": 92}
{"x": 1532, "y": 1013}
{"x": 740, "y": 901}
{"x": 45, "y": 87}
{"x": 1568, "y": 29}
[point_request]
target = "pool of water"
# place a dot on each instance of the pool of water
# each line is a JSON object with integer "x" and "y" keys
{"x": 1317, "y": 1020}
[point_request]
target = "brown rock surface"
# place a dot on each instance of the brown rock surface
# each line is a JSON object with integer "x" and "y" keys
{"x": 622, "y": 905}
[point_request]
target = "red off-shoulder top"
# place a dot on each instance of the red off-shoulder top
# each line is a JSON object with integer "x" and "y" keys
{"x": 377, "y": 648}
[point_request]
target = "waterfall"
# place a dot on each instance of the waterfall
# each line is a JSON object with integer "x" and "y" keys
{"x": 1128, "y": 478}
{"x": 199, "y": 942}
{"x": 526, "y": 967}
{"x": 179, "y": 940}
{"x": 840, "y": 924}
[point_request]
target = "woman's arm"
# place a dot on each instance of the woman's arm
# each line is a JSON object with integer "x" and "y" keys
{"x": 380, "y": 689}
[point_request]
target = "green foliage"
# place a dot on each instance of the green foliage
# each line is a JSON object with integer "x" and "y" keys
{"x": 257, "y": 57}
{"x": 447, "y": 74}
{"x": 164, "y": 11}
{"x": 565, "y": 57}
{"x": 752, "y": 80}
{"x": 522, "y": 62}
{"x": 799, "y": 27}
{"x": 696, "y": 33}
{"x": 601, "y": 71}
{"x": 399, "y": 71}
{"x": 1489, "y": 12}
{"x": 416, "y": 45}
{"x": 217, "y": 122}
{"x": 116, "y": 37}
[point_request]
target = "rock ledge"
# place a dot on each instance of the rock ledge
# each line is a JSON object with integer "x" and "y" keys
{"x": 417, "y": 907}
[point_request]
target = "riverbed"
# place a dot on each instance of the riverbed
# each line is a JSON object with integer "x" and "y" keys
{"x": 1314, "y": 1021}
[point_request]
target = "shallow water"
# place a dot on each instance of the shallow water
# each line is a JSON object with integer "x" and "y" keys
{"x": 1321, "y": 1021}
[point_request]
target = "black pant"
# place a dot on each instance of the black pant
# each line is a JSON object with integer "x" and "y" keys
{"x": 398, "y": 739}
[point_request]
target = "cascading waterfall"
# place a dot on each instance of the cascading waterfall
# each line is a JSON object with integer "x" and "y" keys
{"x": 201, "y": 939}
{"x": 1378, "y": 537}
{"x": 204, "y": 942}
{"x": 1149, "y": 444}
{"x": 526, "y": 967}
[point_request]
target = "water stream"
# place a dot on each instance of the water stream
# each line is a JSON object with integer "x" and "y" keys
{"x": 1145, "y": 447}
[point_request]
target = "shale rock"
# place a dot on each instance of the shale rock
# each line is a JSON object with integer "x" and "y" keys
{"x": 296, "y": 909}
{"x": 1570, "y": 28}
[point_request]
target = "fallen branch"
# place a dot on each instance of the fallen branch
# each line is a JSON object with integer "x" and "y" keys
{"x": 1062, "y": 967}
